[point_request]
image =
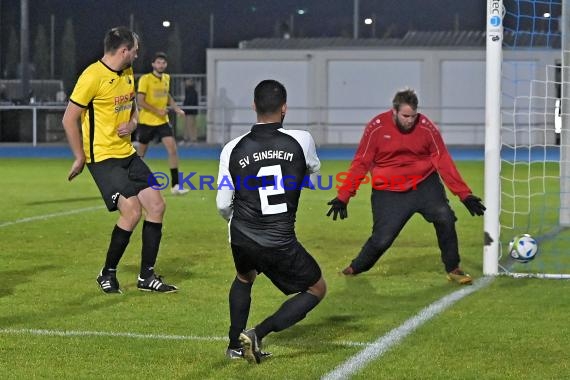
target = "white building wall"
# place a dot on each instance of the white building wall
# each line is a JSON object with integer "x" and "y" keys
{"x": 334, "y": 93}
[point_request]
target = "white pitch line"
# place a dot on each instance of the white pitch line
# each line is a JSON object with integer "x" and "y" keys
{"x": 386, "y": 342}
{"x": 49, "y": 216}
{"x": 71, "y": 333}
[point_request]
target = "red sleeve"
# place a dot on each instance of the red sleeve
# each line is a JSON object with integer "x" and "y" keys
{"x": 444, "y": 164}
{"x": 348, "y": 183}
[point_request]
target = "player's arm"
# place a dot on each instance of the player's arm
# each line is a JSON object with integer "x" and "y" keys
{"x": 363, "y": 159}
{"x": 350, "y": 182}
{"x": 134, "y": 113}
{"x": 448, "y": 172}
{"x": 174, "y": 106}
{"x": 313, "y": 162}
{"x": 225, "y": 195}
{"x": 141, "y": 102}
{"x": 71, "y": 125}
{"x": 129, "y": 127}
{"x": 445, "y": 166}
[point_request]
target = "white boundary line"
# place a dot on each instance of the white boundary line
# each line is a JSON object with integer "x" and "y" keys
{"x": 393, "y": 337}
{"x": 71, "y": 333}
{"x": 49, "y": 216}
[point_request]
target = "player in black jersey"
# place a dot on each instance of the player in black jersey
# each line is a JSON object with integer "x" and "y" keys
{"x": 259, "y": 183}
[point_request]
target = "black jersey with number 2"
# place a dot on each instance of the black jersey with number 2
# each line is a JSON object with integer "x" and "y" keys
{"x": 260, "y": 178}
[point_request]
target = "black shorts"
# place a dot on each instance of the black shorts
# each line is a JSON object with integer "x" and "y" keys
{"x": 121, "y": 176}
{"x": 147, "y": 133}
{"x": 291, "y": 269}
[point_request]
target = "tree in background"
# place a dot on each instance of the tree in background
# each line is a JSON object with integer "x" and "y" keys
{"x": 12, "y": 55}
{"x": 68, "y": 71}
{"x": 174, "y": 51}
{"x": 41, "y": 57}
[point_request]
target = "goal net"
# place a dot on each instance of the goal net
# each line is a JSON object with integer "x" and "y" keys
{"x": 534, "y": 148}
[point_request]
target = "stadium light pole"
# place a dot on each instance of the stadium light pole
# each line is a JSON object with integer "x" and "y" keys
{"x": 25, "y": 50}
{"x": 299, "y": 12}
{"x": 1, "y": 38}
{"x": 356, "y": 18}
{"x": 211, "y": 43}
{"x": 52, "y": 46}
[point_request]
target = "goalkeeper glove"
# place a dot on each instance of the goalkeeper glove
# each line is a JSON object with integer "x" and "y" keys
{"x": 474, "y": 205}
{"x": 338, "y": 207}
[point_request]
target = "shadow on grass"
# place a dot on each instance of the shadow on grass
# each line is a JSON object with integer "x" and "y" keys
{"x": 11, "y": 279}
{"x": 42, "y": 311}
{"x": 172, "y": 268}
{"x": 76, "y": 306}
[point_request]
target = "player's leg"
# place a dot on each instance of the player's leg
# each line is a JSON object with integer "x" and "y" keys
{"x": 130, "y": 214}
{"x": 293, "y": 310}
{"x": 240, "y": 299}
{"x": 145, "y": 134}
{"x": 434, "y": 207}
{"x": 153, "y": 203}
{"x": 293, "y": 271}
{"x": 141, "y": 149}
{"x": 390, "y": 213}
{"x": 111, "y": 177}
{"x": 166, "y": 134}
{"x": 170, "y": 145}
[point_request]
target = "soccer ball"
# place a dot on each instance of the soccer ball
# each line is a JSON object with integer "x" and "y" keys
{"x": 523, "y": 248}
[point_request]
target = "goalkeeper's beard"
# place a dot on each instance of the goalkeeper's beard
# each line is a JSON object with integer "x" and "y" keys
{"x": 402, "y": 127}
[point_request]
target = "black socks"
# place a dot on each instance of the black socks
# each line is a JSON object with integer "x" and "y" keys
{"x": 119, "y": 241}
{"x": 240, "y": 301}
{"x": 151, "y": 235}
{"x": 291, "y": 312}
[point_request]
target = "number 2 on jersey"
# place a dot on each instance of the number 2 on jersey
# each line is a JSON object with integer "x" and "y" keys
{"x": 265, "y": 191}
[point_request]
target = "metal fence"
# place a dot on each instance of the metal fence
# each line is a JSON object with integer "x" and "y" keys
{"x": 41, "y": 123}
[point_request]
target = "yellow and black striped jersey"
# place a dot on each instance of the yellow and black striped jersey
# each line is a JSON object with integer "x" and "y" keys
{"x": 155, "y": 90}
{"x": 108, "y": 98}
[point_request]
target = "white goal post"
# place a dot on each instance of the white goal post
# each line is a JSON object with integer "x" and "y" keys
{"x": 565, "y": 117}
{"x": 527, "y": 136}
{"x": 492, "y": 191}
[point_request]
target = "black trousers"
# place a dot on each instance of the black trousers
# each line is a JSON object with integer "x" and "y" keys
{"x": 391, "y": 211}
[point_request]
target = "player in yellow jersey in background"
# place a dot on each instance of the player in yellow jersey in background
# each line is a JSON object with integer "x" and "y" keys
{"x": 153, "y": 98}
{"x": 103, "y": 102}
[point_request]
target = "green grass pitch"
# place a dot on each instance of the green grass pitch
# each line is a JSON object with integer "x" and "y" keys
{"x": 511, "y": 329}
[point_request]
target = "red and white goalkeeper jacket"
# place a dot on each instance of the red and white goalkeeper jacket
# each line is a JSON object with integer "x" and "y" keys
{"x": 397, "y": 161}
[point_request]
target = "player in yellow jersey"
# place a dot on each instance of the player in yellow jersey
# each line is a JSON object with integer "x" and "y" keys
{"x": 103, "y": 102}
{"x": 153, "y": 98}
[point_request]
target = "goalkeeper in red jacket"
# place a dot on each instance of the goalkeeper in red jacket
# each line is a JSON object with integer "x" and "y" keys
{"x": 403, "y": 156}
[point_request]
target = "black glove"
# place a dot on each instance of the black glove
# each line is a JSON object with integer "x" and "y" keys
{"x": 474, "y": 205}
{"x": 338, "y": 207}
